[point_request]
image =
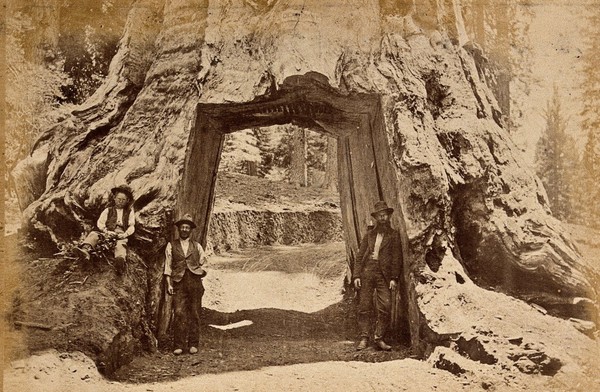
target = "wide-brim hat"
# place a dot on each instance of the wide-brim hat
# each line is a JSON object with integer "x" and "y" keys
{"x": 187, "y": 218}
{"x": 381, "y": 206}
{"x": 123, "y": 189}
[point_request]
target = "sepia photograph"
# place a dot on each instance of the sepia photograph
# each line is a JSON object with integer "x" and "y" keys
{"x": 300, "y": 195}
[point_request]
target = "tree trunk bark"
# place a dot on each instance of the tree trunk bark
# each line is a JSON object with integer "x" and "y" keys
{"x": 298, "y": 167}
{"x": 251, "y": 168}
{"x": 415, "y": 125}
{"x": 330, "y": 181}
{"x": 502, "y": 58}
{"x": 479, "y": 7}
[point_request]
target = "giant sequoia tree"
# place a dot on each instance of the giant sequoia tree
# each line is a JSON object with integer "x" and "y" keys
{"x": 390, "y": 80}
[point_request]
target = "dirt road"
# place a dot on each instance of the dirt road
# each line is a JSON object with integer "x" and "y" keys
{"x": 268, "y": 306}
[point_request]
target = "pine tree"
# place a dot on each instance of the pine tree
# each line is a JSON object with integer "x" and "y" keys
{"x": 241, "y": 153}
{"x": 331, "y": 176}
{"x": 264, "y": 138}
{"x": 281, "y": 140}
{"x": 557, "y": 160}
{"x": 589, "y": 184}
{"x": 298, "y": 173}
{"x": 589, "y": 188}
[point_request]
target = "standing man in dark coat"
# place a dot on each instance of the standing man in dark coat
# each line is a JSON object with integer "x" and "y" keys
{"x": 377, "y": 269}
{"x": 184, "y": 259}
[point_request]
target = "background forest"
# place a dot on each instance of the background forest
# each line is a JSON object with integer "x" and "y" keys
{"x": 58, "y": 52}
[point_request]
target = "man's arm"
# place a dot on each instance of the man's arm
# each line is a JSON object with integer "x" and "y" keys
{"x": 130, "y": 224}
{"x": 358, "y": 263}
{"x": 167, "y": 272}
{"x": 202, "y": 254}
{"x": 396, "y": 256}
{"x": 362, "y": 251}
{"x": 101, "y": 223}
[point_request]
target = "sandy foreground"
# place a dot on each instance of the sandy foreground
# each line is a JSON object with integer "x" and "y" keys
{"x": 54, "y": 371}
{"x": 228, "y": 290}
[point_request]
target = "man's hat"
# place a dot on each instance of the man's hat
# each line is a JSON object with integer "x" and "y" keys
{"x": 187, "y": 218}
{"x": 381, "y": 206}
{"x": 123, "y": 189}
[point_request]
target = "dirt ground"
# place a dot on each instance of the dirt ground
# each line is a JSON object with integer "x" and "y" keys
{"x": 289, "y": 301}
{"x": 54, "y": 372}
{"x": 293, "y": 298}
{"x": 276, "y": 318}
{"x": 238, "y": 190}
{"x": 301, "y": 341}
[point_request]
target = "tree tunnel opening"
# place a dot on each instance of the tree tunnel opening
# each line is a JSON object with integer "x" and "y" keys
{"x": 365, "y": 171}
{"x": 276, "y": 225}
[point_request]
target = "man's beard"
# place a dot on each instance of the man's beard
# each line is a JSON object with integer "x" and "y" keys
{"x": 382, "y": 226}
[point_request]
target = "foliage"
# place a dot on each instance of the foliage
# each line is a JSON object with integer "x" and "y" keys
{"x": 87, "y": 57}
{"x": 589, "y": 181}
{"x": 54, "y": 60}
{"x": 105, "y": 249}
{"x": 271, "y": 149}
{"x": 239, "y": 149}
{"x": 317, "y": 150}
{"x": 500, "y": 31}
{"x": 316, "y": 154}
{"x": 89, "y": 38}
{"x": 282, "y": 151}
{"x": 589, "y": 185}
{"x": 521, "y": 61}
{"x": 557, "y": 161}
{"x": 32, "y": 92}
{"x": 264, "y": 139}
{"x": 591, "y": 72}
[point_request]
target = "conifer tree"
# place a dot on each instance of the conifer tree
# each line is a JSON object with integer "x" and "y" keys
{"x": 241, "y": 153}
{"x": 557, "y": 160}
{"x": 588, "y": 193}
{"x": 589, "y": 186}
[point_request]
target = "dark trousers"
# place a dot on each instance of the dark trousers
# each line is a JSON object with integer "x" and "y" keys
{"x": 187, "y": 302}
{"x": 374, "y": 282}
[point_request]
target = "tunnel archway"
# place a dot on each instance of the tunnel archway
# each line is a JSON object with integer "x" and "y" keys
{"x": 365, "y": 170}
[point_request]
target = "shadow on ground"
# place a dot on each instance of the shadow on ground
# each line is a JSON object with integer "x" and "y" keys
{"x": 276, "y": 337}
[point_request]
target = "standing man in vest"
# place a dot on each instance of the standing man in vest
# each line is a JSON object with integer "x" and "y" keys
{"x": 184, "y": 259}
{"x": 115, "y": 222}
{"x": 377, "y": 269}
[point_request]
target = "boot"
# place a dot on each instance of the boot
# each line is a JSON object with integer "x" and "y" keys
{"x": 364, "y": 342}
{"x": 120, "y": 265}
{"x": 383, "y": 345}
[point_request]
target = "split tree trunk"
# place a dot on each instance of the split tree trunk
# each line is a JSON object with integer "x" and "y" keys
{"x": 415, "y": 126}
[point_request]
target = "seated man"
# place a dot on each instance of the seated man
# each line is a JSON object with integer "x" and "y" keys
{"x": 115, "y": 223}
